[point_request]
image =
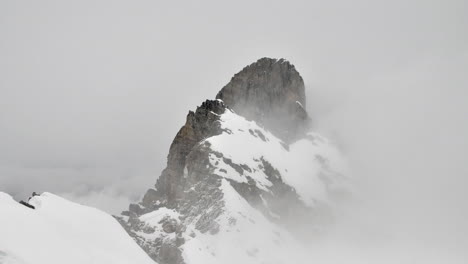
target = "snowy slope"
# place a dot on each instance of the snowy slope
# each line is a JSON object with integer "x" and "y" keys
{"x": 59, "y": 231}
{"x": 312, "y": 166}
{"x": 245, "y": 236}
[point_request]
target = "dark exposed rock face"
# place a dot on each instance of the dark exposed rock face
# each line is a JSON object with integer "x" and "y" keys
{"x": 270, "y": 92}
{"x": 199, "y": 125}
{"x": 185, "y": 185}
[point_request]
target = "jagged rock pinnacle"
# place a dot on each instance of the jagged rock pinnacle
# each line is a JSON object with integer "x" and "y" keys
{"x": 271, "y": 92}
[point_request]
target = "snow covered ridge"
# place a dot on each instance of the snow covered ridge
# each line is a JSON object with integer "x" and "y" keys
{"x": 312, "y": 166}
{"x": 58, "y": 231}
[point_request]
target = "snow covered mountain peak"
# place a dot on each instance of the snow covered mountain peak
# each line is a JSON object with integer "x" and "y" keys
{"x": 244, "y": 177}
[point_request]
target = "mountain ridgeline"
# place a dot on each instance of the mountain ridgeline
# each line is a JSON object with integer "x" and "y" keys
{"x": 244, "y": 177}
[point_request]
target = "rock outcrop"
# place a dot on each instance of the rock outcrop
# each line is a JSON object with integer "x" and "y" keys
{"x": 272, "y": 93}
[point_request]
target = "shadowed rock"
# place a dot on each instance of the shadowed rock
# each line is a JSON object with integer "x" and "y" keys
{"x": 271, "y": 92}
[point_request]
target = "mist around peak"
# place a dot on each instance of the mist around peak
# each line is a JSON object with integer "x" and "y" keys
{"x": 404, "y": 133}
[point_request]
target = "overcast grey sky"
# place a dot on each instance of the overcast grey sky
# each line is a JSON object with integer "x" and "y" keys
{"x": 93, "y": 92}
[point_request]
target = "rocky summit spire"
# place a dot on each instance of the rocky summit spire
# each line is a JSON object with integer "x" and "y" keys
{"x": 271, "y": 92}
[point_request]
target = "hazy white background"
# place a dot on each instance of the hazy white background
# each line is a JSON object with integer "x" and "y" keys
{"x": 93, "y": 92}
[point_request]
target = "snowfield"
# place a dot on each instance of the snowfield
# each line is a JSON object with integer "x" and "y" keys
{"x": 62, "y": 232}
{"x": 246, "y": 236}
